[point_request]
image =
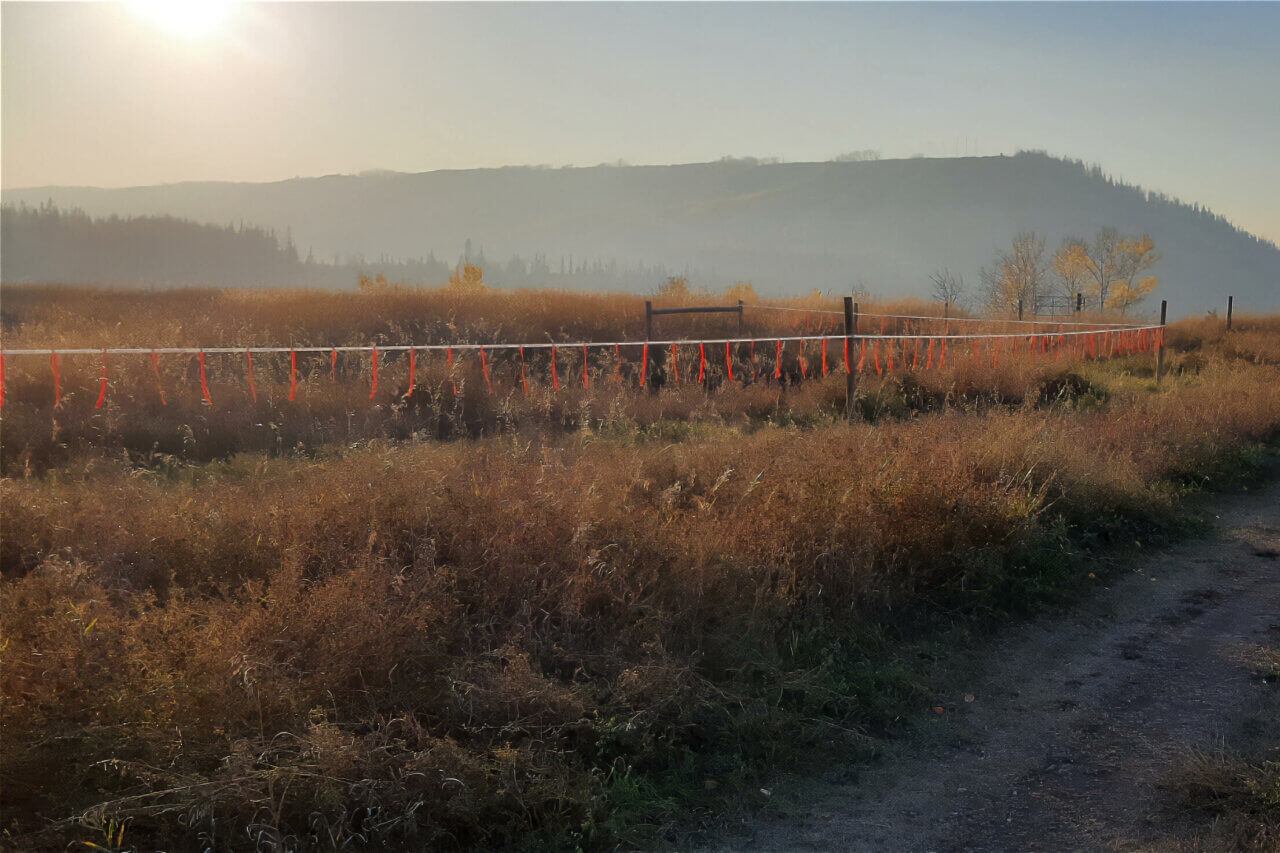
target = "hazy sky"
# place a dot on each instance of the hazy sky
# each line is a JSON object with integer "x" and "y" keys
{"x": 1179, "y": 97}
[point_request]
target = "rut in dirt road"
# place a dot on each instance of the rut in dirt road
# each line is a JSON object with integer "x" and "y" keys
{"x": 1075, "y": 718}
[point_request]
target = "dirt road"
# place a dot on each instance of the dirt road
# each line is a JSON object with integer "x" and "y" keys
{"x": 1074, "y": 719}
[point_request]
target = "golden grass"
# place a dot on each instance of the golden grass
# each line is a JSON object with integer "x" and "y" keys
{"x": 153, "y": 418}
{"x": 478, "y": 643}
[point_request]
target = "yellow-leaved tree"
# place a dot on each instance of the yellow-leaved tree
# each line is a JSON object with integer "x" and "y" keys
{"x": 374, "y": 285}
{"x": 469, "y": 279}
{"x": 742, "y": 290}
{"x": 1096, "y": 269}
{"x": 676, "y": 288}
{"x": 1124, "y": 295}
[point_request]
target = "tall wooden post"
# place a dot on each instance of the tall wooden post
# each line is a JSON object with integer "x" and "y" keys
{"x": 1019, "y": 309}
{"x": 1230, "y": 304}
{"x": 850, "y": 329}
{"x": 648, "y": 336}
{"x": 1164, "y": 307}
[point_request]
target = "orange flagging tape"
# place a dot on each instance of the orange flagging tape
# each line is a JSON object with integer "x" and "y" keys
{"x": 155, "y": 368}
{"x": 253, "y": 389}
{"x": 899, "y": 354}
{"x": 204, "y": 381}
{"x": 102, "y": 387}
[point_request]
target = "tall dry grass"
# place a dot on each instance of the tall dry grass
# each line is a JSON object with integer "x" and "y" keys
{"x": 455, "y": 644}
{"x": 507, "y": 641}
{"x": 160, "y": 413}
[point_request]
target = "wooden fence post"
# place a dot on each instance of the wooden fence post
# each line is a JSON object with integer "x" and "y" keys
{"x": 1019, "y": 309}
{"x": 1230, "y": 304}
{"x": 850, "y": 329}
{"x": 1164, "y": 307}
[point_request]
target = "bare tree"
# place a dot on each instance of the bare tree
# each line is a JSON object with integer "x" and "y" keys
{"x": 949, "y": 289}
{"x": 1019, "y": 274}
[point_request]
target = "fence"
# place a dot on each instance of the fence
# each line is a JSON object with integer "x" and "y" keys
{"x": 923, "y": 343}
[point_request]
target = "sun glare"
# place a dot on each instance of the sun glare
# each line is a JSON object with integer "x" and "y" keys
{"x": 190, "y": 19}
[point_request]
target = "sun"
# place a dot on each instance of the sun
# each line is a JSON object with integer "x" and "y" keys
{"x": 189, "y": 19}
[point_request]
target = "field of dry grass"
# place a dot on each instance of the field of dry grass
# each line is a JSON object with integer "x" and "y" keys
{"x": 156, "y": 410}
{"x": 321, "y": 625}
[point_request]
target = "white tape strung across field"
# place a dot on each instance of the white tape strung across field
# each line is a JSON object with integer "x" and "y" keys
{"x": 1100, "y": 326}
{"x": 466, "y": 347}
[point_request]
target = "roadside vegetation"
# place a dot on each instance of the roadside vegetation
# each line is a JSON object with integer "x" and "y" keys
{"x": 1231, "y": 797}
{"x": 577, "y": 621}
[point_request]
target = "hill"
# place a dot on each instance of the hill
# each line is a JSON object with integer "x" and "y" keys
{"x": 882, "y": 226}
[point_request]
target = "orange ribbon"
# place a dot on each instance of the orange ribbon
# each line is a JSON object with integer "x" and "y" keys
{"x": 253, "y": 389}
{"x": 204, "y": 381}
{"x": 102, "y": 388}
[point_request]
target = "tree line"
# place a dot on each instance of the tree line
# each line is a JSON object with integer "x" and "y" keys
{"x": 47, "y": 244}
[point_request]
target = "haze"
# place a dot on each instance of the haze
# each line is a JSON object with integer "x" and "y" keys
{"x": 1177, "y": 97}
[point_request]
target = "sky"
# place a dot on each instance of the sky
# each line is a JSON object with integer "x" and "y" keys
{"x": 1178, "y": 97}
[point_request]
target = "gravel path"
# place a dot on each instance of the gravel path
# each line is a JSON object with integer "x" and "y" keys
{"x": 1075, "y": 718}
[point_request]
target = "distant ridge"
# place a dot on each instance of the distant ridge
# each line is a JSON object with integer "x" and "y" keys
{"x": 881, "y": 226}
